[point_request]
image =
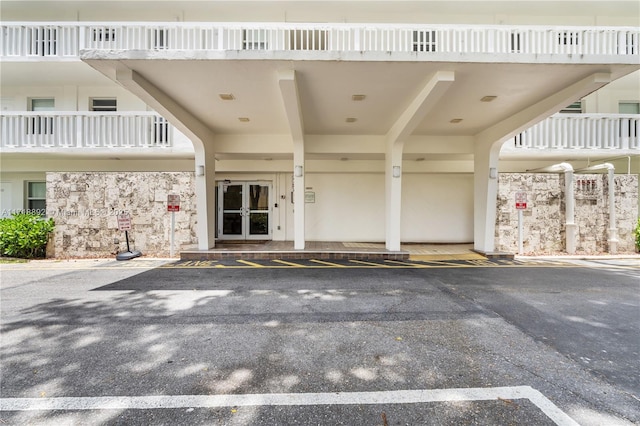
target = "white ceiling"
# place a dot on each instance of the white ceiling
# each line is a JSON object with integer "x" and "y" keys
{"x": 326, "y": 89}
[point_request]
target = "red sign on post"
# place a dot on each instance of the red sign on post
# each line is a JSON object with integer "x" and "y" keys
{"x": 521, "y": 200}
{"x": 173, "y": 203}
{"x": 124, "y": 222}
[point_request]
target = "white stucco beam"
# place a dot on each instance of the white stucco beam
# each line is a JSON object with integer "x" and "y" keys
{"x": 425, "y": 100}
{"x": 439, "y": 144}
{"x": 291, "y": 102}
{"x": 253, "y": 144}
{"x": 164, "y": 104}
{"x": 493, "y": 136}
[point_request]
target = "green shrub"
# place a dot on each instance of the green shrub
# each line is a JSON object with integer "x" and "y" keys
{"x": 637, "y": 234}
{"x": 25, "y": 235}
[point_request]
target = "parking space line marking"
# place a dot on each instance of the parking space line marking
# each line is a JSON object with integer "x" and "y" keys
{"x": 377, "y": 265}
{"x": 442, "y": 264}
{"x": 322, "y": 262}
{"x": 284, "y": 262}
{"x": 246, "y": 262}
{"x": 292, "y": 399}
{"x": 413, "y": 265}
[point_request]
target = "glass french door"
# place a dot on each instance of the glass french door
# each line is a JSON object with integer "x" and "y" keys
{"x": 243, "y": 211}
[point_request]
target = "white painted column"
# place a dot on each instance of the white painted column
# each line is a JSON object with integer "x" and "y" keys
{"x": 205, "y": 195}
{"x": 298, "y": 195}
{"x": 393, "y": 196}
{"x": 291, "y": 102}
{"x": 485, "y": 192}
{"x": 427, "y": 97}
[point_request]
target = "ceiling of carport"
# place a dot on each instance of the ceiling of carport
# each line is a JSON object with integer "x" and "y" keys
{"x": 326, "y": 89}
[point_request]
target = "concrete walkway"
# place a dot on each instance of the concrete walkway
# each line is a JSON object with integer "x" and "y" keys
{"x": 331, "y": 250}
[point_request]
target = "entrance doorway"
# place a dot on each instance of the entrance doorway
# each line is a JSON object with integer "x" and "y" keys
{"x": 244, "y": 211}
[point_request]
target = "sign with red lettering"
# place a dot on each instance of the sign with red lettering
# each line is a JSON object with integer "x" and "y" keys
{"x": 124, "y": 222}
{"x": 173, "y": 203}
{"x": 521, "y": 200}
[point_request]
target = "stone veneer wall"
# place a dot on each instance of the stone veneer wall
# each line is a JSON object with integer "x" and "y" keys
{"x": 544, "y": 218}
{"x": 85, "y": 207}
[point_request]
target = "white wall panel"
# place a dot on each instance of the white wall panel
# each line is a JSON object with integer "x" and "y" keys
{"x": 348, "y": 207}
{"x": 437, "y": 208}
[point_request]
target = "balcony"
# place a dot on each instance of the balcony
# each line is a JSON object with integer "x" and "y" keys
{"x": 65, "y": 41}
{"x": 29, "y": 131}
{"x": 581, "y": 132}
{"x": 22, "y": 131}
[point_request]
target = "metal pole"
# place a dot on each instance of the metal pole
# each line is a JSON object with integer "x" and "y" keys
{"x": 173, "y": 231}
{"x": 520, "y": 232}
{"x": 126, "y": 235}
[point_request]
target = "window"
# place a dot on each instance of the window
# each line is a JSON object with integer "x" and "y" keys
{"x": 36, "y": 197}
{"x": 254, "y": 40}
{"x": 40, "y": 125}
{"x": 627, "y": 107}
{"x": 424, "y": 41}
{"x": 103, "y": 104}
{"x": 574, "y": 108}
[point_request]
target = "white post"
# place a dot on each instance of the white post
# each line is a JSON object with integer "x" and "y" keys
{"x": 393, "y": 199}
{"x": 298, "y": 195}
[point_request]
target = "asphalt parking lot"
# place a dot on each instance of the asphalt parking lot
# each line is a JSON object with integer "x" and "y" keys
{"x": 153, "y": 341}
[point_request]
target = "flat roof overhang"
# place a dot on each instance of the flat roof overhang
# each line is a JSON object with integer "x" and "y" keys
{"x": 327, "y": 82}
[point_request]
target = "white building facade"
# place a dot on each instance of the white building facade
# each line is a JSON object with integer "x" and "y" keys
{"x": 307, "y": 121}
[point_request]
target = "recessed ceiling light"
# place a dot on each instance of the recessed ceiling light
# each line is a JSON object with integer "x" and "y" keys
{"x": 358, "y": 97}
{"x": 227, "y": 96}
{"x": 488, "y": 98}
{"x": 351, "y": 120}
{"x": 244, "y": 119}
{"x": 455, "y": 120}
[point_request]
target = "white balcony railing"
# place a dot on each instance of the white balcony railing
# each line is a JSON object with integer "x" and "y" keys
{"x": 66, "y": 40}
{"x": 84, "y": 130}
{"x": 583, "y": 131}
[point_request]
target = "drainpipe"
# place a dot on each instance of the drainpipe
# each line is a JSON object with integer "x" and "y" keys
{"x": 570, "y": 226}
{"x": 613, "y": 229}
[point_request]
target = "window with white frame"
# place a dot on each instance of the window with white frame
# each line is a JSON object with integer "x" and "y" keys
{"x": 103, "y": 104}
{"x": 36, "y": 201}
{"x": 629, "y": 107}
{"x": 40, "y": 124}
